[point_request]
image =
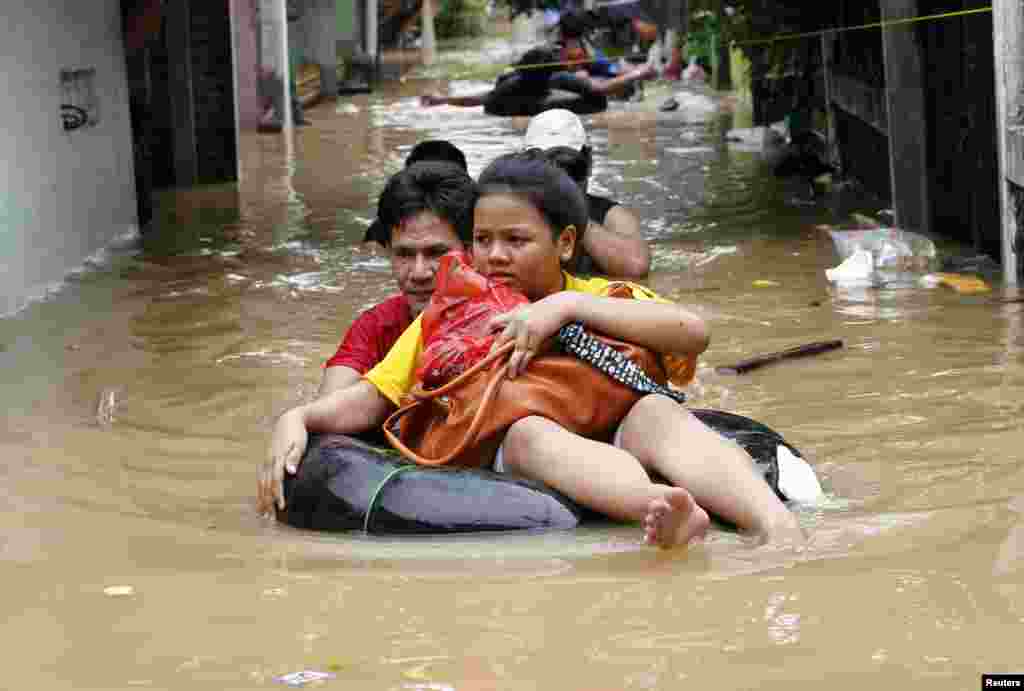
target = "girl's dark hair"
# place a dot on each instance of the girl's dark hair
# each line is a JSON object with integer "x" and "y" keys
{"x": 528, "y": 174}
{"x": 437, "y": 186}
{"x": 576, "y": 163}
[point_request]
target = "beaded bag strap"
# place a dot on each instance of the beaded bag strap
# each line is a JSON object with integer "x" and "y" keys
{"x": 575, "y": 340}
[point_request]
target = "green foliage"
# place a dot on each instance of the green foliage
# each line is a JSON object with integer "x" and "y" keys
{"x": 460, "y": 18}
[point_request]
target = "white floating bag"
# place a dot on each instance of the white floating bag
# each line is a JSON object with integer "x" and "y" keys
{"x": 859, "y": 268}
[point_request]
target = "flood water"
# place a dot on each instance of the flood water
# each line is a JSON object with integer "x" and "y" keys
{"x": 140, "y": 400}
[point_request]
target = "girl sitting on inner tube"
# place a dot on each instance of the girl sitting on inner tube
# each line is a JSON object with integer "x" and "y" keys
{"x": 524, "y": 229}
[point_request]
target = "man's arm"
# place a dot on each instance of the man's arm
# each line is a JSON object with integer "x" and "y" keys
{"x": 616, "y": 246}
{"x": 338, "y": 377}
{"x": 350, "y": 410}
{"x": 366, "y": 342}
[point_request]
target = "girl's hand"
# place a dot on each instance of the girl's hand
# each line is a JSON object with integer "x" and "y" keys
{"x": 286, "y": 448}
{"x": 529, "y": 327}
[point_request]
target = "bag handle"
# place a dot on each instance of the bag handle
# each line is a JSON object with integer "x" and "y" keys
{"x": 422, "y": 396}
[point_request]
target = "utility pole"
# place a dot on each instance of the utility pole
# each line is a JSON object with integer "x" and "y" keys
{"x": 429, "y": 37}
{"x": 1008, "y": 23}
{"x": 907, "y": 115}
{"x": 721, "y": 78}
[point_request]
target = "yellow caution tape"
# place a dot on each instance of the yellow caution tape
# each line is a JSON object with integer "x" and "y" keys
{"x": 872, "y": 25}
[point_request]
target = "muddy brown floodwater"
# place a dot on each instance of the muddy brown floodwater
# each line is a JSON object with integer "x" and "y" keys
{"x": 139, "y": 401}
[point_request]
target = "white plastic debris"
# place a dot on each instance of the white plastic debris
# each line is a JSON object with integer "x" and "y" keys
{"x": 119, "y": 591}
{"x": 891, "y": 248}
{"x": 755, "y": 138}
{"x": 797, "y": 480}
{"x": 306, "y": 676}
{"x": 694, "y": 72}
{"x": 694, "y": 107}
{"x": 858, "y": 268}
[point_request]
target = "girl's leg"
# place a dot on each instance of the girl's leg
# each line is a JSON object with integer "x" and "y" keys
{"x": 602, "y": 478}
{"x": 667, "y": 438}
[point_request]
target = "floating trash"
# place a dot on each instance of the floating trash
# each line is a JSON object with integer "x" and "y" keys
{"x": 889, "y": 248}
{"x": 306, "y": 676}
{"x": 119, "y": 591}
{"x": 755, "y": 138}
{"x": 965, "y": 285}
{"x": 764, "y": 283}
{"x": 858, "y": 268}
{"x": 106, "y": 404}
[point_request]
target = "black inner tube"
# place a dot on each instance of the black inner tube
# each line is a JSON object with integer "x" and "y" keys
{"x": 345, "y": 484}
{"x": 515, "y": 95}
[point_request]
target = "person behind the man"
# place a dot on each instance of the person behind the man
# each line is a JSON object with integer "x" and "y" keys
{"x": 612, "y": 243}
{"x": 425, "y": 211}
{"x": 427, "y": 150}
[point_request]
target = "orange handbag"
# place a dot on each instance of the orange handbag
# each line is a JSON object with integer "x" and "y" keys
{"x": 463, "y": 422}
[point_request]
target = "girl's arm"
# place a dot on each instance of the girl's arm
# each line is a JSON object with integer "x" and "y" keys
{"x": 660, "y": 326}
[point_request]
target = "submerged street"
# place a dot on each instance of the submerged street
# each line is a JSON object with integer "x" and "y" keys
{"x": 140, "y": 399}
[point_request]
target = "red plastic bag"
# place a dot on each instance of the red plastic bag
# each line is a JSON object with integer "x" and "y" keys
{"x": 455, "y": 334}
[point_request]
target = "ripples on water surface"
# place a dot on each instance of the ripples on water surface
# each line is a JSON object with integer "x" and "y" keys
{"x": 140, "y": 398}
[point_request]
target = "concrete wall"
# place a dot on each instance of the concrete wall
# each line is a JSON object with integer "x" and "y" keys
{"x": 247, "y": 63}
{"x": 63, "y": 195}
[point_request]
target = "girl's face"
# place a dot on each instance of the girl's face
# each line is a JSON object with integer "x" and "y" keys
{"x": 513, "y": 244}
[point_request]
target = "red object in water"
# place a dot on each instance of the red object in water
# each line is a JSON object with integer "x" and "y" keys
{"x": 674, "y": 69}
{"x": 455, "y": 322}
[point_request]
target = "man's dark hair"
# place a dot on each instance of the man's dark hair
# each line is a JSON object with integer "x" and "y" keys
{"x": 436, "y": 150}
{"x": 440, "y": 187}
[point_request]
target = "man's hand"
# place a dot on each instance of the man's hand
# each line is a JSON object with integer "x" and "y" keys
{"x": 286, "y": 448}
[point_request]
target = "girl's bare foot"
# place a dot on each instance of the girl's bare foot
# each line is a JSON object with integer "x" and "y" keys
{"x": 674, "y": 519}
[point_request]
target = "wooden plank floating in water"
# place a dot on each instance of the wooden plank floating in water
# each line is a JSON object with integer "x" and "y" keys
{"x": 744, "y": 366}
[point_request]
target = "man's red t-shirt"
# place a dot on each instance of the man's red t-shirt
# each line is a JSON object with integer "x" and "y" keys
{"x": 372, "y": 334}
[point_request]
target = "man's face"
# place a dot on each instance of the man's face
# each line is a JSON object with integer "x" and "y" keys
{"x": 417, "y": 245}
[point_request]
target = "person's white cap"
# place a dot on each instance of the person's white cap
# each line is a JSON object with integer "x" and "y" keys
{"x": 556, "y": 127}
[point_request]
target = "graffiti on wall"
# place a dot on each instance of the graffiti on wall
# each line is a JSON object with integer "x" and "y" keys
{"x": 78, "y": 103}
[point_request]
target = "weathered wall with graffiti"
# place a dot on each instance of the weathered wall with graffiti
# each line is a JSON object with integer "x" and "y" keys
{"x": 66, "y": 192}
